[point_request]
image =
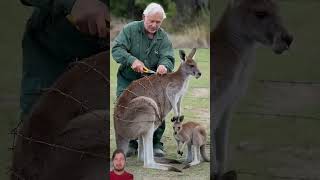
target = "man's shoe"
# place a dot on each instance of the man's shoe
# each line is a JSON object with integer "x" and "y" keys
{"x": 131, "y": 152}
{"x": 158, "y": 152}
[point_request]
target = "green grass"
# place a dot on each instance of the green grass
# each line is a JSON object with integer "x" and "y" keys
{"x": 194, "y": 109}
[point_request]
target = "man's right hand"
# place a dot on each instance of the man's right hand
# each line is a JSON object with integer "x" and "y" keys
{"x": 137, "y": 66}
{"x": 90, "y": 16}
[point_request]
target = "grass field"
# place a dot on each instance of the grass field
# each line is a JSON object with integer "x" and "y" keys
{"x": 195, "y": 106}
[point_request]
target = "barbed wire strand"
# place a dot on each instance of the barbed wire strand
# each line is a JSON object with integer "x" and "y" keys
{"x": 290, "y": 82}
{"x": 277, "y": 115}
{"x": 272, "y": 176}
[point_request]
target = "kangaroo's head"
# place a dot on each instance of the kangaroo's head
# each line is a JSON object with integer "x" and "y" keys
{"x": 177, "y": 124}
{"x": 188, "y": 64}
{"x": 259, "y": 21}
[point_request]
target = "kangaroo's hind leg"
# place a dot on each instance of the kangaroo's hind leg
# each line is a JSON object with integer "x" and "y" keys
{"x": 196, "y": 157}
{"x": 221, "y": 141}
{"x": 140, "y": 150}
{"x": 149, "y": 161}
{"x": 189, "y": 155}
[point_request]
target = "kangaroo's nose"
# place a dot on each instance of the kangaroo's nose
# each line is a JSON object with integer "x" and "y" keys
{"x": 287, "y": 38}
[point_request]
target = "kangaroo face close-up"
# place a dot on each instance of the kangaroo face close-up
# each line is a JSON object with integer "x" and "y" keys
{"x": 188, "y": 64}
{"x": 259, "y": 21}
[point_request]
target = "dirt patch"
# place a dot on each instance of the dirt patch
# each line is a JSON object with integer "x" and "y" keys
{"x": 202, "y": 113}
{"x": 200, "y": 92}
{"x": 201, "y": 171}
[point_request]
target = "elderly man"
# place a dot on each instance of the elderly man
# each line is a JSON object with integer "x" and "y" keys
{"x": 143, "y": 44}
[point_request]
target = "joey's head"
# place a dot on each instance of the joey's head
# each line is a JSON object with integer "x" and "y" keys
{"x": 177, "y": 124}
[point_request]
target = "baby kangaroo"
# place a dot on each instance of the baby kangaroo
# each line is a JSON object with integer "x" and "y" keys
{"x": 193, "y": 135}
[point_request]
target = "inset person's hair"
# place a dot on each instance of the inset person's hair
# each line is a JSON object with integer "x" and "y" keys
{"x": 118, "y": 151}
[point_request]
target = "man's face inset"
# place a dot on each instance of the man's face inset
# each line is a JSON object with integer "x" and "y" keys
{"x": 119, "y": 162}
{"x": 152, "y": 22}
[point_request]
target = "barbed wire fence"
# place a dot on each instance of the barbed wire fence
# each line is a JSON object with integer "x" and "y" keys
{"x": 273, "y": 176}
{"x": 294, "y": 117}
{"x": 267, "y": 82}
{"x": 84, "y": 108}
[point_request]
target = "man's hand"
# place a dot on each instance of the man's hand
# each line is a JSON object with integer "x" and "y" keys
{"x": 161, "y": 70}
{"x": 90, "y": 16}
{"x": 137, "y": 66}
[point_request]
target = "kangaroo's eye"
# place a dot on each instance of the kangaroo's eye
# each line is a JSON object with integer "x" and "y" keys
{"x": 178, "y": 128}
{"x": 261, "y": 14}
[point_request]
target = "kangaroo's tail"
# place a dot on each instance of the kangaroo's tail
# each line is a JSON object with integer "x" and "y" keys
{"x": 143, "y": 104}
{"x": 137, "y": 117}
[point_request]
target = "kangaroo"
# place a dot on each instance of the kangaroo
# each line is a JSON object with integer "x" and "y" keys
{"x": 59, "y": 117}
{"x": 193, "y": 135}
{"x": 142, "y": 107}
{"x": 244, "y": 24}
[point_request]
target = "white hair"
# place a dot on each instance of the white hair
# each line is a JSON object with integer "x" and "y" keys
{"x": 154, "y": 8}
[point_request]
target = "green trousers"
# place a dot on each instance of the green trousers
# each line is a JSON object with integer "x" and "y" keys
{"x": 122, "y": 84}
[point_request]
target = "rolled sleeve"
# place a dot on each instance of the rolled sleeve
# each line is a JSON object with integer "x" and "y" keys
{"x": 120, "y": 50}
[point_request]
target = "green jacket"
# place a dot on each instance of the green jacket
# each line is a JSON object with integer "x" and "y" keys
{"x": 49, "y": 44}
{"x": 132, "y": 43}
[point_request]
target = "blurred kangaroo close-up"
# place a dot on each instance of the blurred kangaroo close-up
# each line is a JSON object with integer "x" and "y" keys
{"x": 243, "y": 25}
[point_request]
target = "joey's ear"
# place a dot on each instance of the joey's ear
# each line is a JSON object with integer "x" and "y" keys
{"x": 173, "y": 119}
{"x": 181, "y": 118}
{"x": 182, "y": 55}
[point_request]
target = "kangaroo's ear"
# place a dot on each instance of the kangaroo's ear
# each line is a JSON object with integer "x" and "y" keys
{"x": 182, "y": 55}
{"x": 173, "y": 119}
{"x": 192, "y": 53}
{"x": 181, "y": 118}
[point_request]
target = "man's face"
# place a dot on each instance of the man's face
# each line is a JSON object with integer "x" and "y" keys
{"x": 119, "y": 162}
{"x": 152, "y": 22}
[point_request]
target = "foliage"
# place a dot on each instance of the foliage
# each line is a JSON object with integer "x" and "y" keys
{"x": 133, "y": 9}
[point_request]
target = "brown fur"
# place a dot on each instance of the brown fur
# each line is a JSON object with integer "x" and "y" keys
{"x": 57, "y": 119}
{"x": 192, "y": 133}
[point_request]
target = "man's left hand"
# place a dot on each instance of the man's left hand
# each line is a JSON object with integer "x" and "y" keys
{"x": 161, "y": 70}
